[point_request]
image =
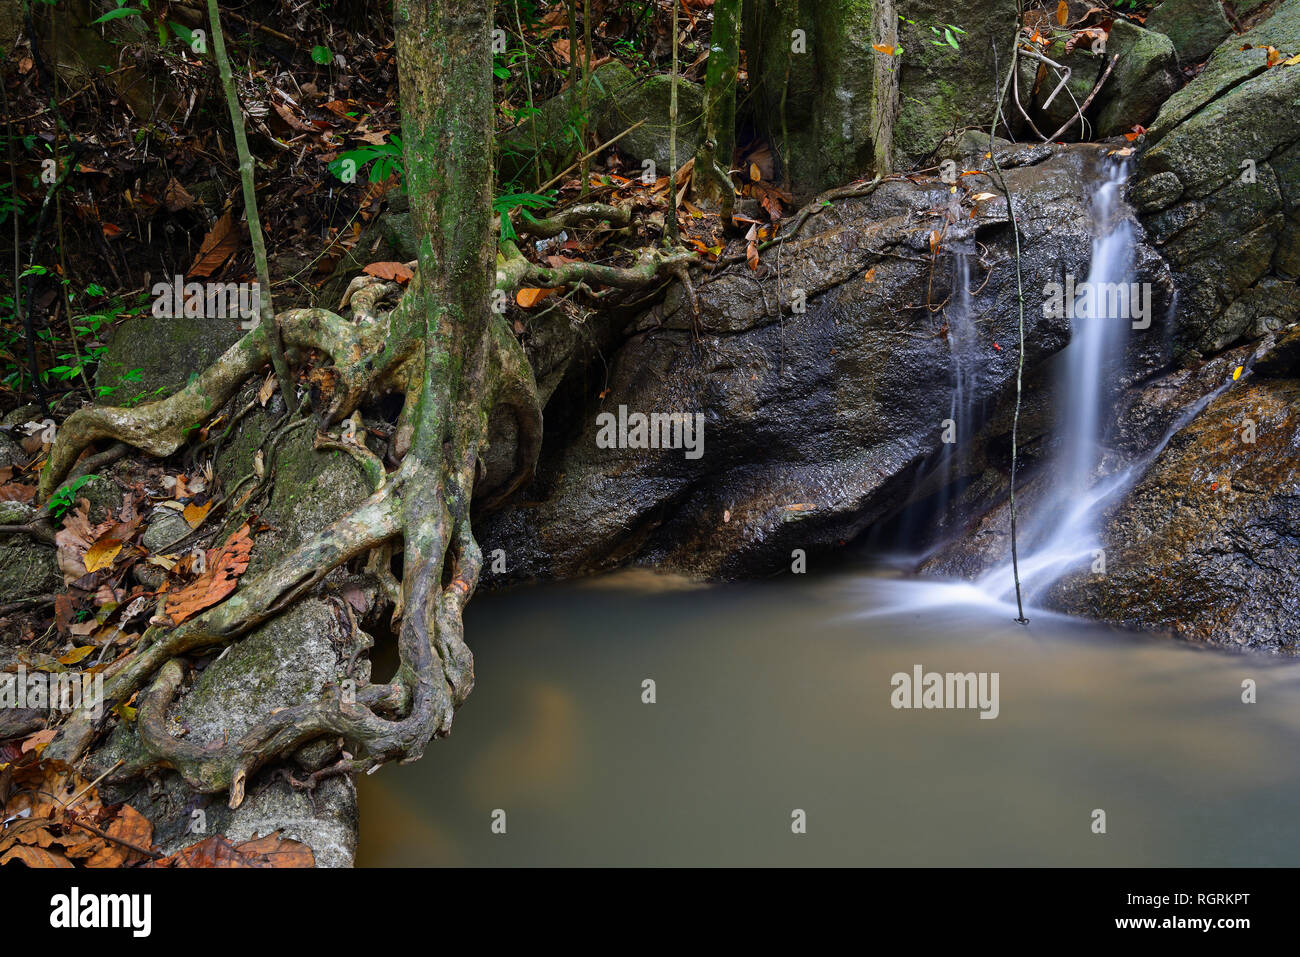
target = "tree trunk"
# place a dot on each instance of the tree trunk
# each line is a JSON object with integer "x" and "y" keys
{"x": 451, "y": 354}
{"x": 713, "y": 159}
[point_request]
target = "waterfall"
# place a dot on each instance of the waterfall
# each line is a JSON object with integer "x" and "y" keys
{"x": 1061, "y": 532}
{"x": 963, "y": 346}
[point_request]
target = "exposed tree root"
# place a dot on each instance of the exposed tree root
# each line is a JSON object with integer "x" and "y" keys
{"x": 425, "y": 503}
{"x": 460, "y": 370}
{"x": 582, "y": 215}
{"x": 160, "y": 428}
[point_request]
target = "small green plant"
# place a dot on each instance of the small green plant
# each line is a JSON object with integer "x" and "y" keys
{"x": 63, "y": 499}
{"x": 384, "y": 160}
{"x": 123, "y": 10}
{"x": 322, "y": 55}
{"x": 507, "y": 203}
{"x": 948, "y": 37}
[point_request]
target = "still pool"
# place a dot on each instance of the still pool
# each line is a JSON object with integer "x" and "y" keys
{"x": 775, "y": 698}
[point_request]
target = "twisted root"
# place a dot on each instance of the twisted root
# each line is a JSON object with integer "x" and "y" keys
{"x": 426, "y": 502}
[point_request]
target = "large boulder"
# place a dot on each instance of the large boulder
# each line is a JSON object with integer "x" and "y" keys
{"x": 816, "y": 422}
{"x": 1143, "y": 77}
{"x": 1219, "y": 189}
{"x": 942, "y": 87}
{"x": 827, "y": 90}
{"x": 1208, "y": 543}
{"x": 300, "y": 656}
{"x": 811, "y": 69}
{"x": 293, "y": 659}
{"x": 1196, "y": 27}
{"x": 616, "y": 100}
{"x": 149, "y": 357}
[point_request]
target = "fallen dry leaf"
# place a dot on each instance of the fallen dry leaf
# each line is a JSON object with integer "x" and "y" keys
{"x": 38, "y": 741}
{"x": 218, "y": 245}
{"x": 527, "y": 298}
{"x": 217, "y": 851}
{"x": 102, "y": 553}
{"x": 176, "y": 197}
{"x": 195, "y": 514}
{"x": 76, "y": 655}
{"x": 393, "y": 272}
{"x": 223, "y": 568}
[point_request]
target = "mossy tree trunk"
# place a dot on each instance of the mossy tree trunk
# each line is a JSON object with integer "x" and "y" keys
{"x": 446, "y": 349}
{"x": 812, "y": 68}
{"x": 713, "y": 159}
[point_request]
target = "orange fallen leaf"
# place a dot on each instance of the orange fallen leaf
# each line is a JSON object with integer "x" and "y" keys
{"x": 195, "y": 514}
{"x": 34, "y": 857}
{"x": 39, "y": 740}
{"x": 393, "y": 272}
{"x": 527, "y": 298}
{"x": 224, "y": 566}
{"x": 129, "y": 826}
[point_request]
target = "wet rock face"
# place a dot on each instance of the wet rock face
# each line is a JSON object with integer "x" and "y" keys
{"x": 1208, "y": 543}
{"x": 815, "y": 422}
{"x": 1219, "y": 190}
{"x": 1196, "y": 27}
{"x": 1143, "y": 77}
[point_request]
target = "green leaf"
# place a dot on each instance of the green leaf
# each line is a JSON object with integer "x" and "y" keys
{"x": 185, "y": 33}
{"x": 322, "y": 55}
{"x": 118, "y": 14}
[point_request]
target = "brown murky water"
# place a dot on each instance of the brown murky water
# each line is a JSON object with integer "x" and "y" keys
{"x": 776, "y": 697}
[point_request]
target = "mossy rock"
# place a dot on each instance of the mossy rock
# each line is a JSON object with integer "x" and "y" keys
{"x": 941, "y": 88}
{"x": 549, "y": 138}
{"x": 1145, "y": 76}
{"x": 27, "y": 568}
{"x": 150, "y": 357}
{"x": 1195, "y": 27}
{"x": 812, "y": 97}
{"x": 1229, "y": 66}
{"x": 649, "y": 100}
{"x": 291, "y": 660}
{"x": 311, "y": 487}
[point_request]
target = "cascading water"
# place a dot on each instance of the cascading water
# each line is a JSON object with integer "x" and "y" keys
{"x": 964, "y": 350}
{"x": 1059, "y": 523}
{"x": 1062, "y": 531}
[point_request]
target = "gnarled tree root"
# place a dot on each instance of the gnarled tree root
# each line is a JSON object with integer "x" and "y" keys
{"x": 426, "y": 503}
{"x": 160, "y": 428}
